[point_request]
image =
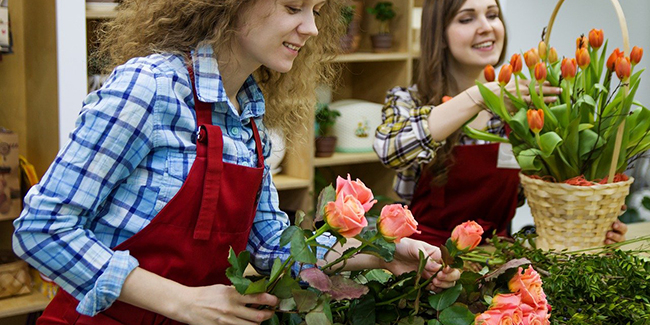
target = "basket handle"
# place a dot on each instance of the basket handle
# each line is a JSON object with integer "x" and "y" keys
{"x": 626, "y": 50}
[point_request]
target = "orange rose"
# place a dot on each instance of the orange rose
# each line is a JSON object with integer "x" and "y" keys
{"x": 396, "y": 222}
{"x": 467, "y": 235}
{"x": 529, "y": 284}
{"x": 357, "y": 189}
{"x": 346, "y": 215}
{"x": 504, "y": 310}
{"x": 533, "y": 315}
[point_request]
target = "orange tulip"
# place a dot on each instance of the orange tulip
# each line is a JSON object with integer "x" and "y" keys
{"x": 581, "y": 42}
{"x": 583, "y": 58}
{"x": 540, "y": 72}
{"x": 535, "y": 119}
{"x": 636, "y": 55}
{"x": 552, "y": 55}
{"x": 515, "y": 62}
{"x": 488, "y": 72}
{"x": 446, "y": 98}
{"x": 596, "y": 38}
{"x": 531, "y": 58}
{"x": 569, "y": 68}
{"x": 542, "y": 50}
{"x": 623, "y": 68}
{"x": 505, "y": 74}
{"x": 611, "y": 61}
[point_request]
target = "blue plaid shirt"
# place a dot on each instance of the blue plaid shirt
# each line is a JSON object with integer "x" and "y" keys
{"x": 128, "y": 156}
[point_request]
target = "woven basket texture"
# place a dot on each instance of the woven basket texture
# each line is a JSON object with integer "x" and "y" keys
{"x": 573, "y": 217}
{"x": 14, "y": 276}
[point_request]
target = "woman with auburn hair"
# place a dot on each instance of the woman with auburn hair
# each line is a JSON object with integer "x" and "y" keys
{"x": 448, "y": 177}
{"x": 166, "y": 169}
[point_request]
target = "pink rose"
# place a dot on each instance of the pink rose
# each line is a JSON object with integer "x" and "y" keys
{"x": 467, "y": 235}
{"x": 396, "y": 222}
{"x": 504, "y": 310}
{"x": 533, "y": 315}
{"x": 529, "y": 284}
{"x": 346, "y": 216}
{"x": 357, "y": 189}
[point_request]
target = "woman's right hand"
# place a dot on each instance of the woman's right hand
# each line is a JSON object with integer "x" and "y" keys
{"x": 221, "y": 304}
{"x": 550, "y": 92}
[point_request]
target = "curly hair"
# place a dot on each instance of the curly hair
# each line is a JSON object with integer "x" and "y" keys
{"x": 435, "y": 76}
{"x": 144, "y": 27}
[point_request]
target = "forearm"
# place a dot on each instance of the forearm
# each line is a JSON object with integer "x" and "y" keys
{"x": 354, "y": 263}
{"x": 448, "y": 117}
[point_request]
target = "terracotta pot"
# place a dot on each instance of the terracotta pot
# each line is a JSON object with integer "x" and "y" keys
{"x": 350, "y": 41}
{"x": 382, "y": 42}
{"x": 325, "y": 146}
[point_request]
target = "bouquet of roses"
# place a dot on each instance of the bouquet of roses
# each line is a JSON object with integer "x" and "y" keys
{"x": 376, "y": 296}
{"x": 576, "y": 136}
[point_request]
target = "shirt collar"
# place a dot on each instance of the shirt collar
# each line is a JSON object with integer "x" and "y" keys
{"x": 209, "y": 85}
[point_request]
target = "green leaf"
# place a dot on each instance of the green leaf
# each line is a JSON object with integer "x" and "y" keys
{"x": 306, "y": 300}
{"x": 276, "y": 268}
{"x": 549, "y": 140}
{"x": 258, "y": 286}
{"x": 492, "y": 101}
{"x": 411, "y": 320}
{"x": 299, "y": 217}
{"x": 240, "y": 283}
{"x": 362, "y": 311}
{"x": 288, "y": 234}
{"x": 530, "y": 160}
{"x": 456, "y": 315}
{"x": 328, "y": 194}
{"x": 300, "y": 250}
{"x": 239, "y": 263}
{"x": 446, "y": 298}
{"x": 285, "y": 286}
{"x": 381, "y": 248}
{"x": 434, "y": 322}
{"x": 273, "y": 321}
{"x": 482, "y": 135}
{"x": 519, "y": 126}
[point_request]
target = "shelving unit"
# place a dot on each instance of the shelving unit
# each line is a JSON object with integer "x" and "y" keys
{"x": 25, "y": 304}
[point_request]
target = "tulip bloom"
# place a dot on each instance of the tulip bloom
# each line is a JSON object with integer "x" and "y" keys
{"x": 582, "y": 42}
{"x": 582, "y": 58}
{"x": 516, "y": 63}
{"x": 552, "y": 55}
{"x": 505, "y": 74}
{"x": 488, "y": 72}
{"x": 569, "y": 68}
{"x": 531, "y": 58}
{"x": 467, "y": 235}
{"x": 611, "y": 61}
{"x": 535, "y": 120}
{"x": 596, "y": 38}
{"x": 623, "y": 68}
{"x": 635, "y": 55}
{"x": 540, "y": 72}
{"x": 446, "y": 98}
{"x": 542, "y": 50}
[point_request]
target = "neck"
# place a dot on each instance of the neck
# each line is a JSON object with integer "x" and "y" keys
{"x": 233, "y": 74}
{"x": 465, "y": 77}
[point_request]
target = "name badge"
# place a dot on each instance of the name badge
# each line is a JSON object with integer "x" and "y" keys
{"x": 506, "y": 158}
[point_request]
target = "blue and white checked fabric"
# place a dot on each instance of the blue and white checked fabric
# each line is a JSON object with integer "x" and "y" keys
{"x": 128, "y": 156}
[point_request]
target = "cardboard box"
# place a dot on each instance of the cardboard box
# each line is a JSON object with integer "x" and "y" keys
{"x": 10, "y": 197}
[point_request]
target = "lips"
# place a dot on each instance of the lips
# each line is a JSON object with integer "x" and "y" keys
{"x": 483, "y": 45}
{"x": 292, "y": 46}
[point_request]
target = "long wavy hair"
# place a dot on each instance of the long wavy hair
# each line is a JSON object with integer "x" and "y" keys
{"x": 435, "y": 77}
{"x": 144, "y": 27}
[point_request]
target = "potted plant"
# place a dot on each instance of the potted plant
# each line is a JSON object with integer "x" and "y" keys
{"x": 351, "y": 15}
{"x": 325, "y": 119}
{"x": 384, "y": 13}
{"x": 573, "y": 152}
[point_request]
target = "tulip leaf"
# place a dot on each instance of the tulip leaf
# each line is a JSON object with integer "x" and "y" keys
{"x": 516, "y": 101}
{"x": 482, "y": 135}
{"x": 530, "y": 160}
{"x": 492, "y": 101}
{"x": 456, "y": 315}
{"x": 445, "y": 298}
{"x": 549, "y": 140}
{"x": 561, "y": 112}
{"x": 519, "y": 125}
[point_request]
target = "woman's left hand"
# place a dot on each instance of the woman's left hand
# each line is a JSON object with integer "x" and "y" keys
{"x": 407, "y": 259}
{"x": 617, "y": 234}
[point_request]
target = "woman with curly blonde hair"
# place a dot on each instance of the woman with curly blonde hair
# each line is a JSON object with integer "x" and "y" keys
{"x": 165, "y": 170}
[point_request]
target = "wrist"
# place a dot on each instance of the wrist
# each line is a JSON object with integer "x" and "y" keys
{"x": 474, "y": 95}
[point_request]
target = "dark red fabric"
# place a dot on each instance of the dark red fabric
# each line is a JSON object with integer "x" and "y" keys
{"x": 476, "y": 190}
{"x": 189, "y": 240}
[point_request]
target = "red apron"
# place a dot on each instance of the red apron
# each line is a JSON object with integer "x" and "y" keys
{"x": 188, "y": 240}
{"x": 476, "y": 190}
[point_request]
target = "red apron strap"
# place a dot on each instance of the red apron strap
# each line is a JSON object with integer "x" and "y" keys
{"x": 258, "y": 144}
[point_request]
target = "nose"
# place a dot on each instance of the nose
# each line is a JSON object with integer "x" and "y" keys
{"x": 484, "y": 25}
{"x": 308, "y": 25}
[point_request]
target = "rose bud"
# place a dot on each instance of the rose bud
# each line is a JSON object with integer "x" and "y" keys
{"x": 467, "y": 235}
{"x": 569, "y": 68}
{"x": 582, "y": 42}
{"x": 535, "y": 119}
{"x": 540, "y": 72}
{"x": 596, "y": 38}
{"x": 396, "y": 222}
{"x": 488, "y": 72}
{"x": 531, "y": 58}
{"x": 515, "y": 62}
{"x": 582, "y": 58}
{"x": 542, "y": 50}
{"x": 552, "y": 55}
{"x": 636, "y": 55}
{"x": 346, "y": 216}
{"x": 505, "y": 74}
{"x": 611, "y": 61}
{"x": 623, "y": 68}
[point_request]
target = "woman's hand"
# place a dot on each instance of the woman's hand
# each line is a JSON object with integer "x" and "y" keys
{"x": 407, "y": 259}
{"x": 221, "y": 304}
{"x": 617, "y": 234}
{"x": 550, "y": 92}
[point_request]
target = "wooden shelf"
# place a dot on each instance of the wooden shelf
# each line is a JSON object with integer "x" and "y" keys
{"x": 100, "y": 10}
{"x": 284, "y": 182}
{"x": 340, "y": 158}
{"x": 25, "y": 304}
{"x": 372, "y": 57}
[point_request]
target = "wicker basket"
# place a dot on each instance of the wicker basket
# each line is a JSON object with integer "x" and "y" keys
{"x": 14, "y": 276}
{"x": 573, "y": 217}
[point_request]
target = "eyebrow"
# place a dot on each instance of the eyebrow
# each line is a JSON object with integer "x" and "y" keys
{"x": 472, "y": 9}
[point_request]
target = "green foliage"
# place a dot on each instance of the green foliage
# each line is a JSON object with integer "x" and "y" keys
{"x": 347, "y": 14}
{"x": 384, "y": 13}
{"x": 325, "y": 118}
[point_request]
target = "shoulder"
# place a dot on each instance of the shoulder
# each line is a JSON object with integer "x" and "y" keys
{"x": 403, "y": 95}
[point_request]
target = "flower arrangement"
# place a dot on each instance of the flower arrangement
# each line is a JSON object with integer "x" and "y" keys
{"x": 572, "y": 140}
{"x": 513, "y": 292}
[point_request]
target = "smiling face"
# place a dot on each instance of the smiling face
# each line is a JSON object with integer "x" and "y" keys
{"x": 273, "y": 32}
{"x": 475, "y": 36}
